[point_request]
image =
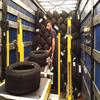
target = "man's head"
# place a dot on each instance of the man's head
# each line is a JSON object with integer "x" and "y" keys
{"x": 49, "y": 25}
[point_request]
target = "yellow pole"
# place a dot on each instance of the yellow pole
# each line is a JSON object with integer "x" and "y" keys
{"x": 7, "y": 48}
{"x": 69, "y": 62}
{"x": 59, "y": 64}
{"x": 20, "y": 40}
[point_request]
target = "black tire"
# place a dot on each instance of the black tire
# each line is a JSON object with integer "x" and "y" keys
{"x": 41, "y": 14}
{"x": 22, "y": 78}
{"x": 75, "y": 35}
{"x": 77, "y": 76}
{"x": 64, "y": 41}
{"x": 46, "y": 35}
{"x": 38, "y": 38}
{"x": 37, "y": 17}
{"x": 64, "y": 14}
{"x": 49, "y": 15}
{"x": 34, "y": 44}
{"x": 40, "y": 47}
{"x": 43, "y": 42}
{"x": 39, "y": 57}
{"x": 60, "y": 21}
{"x": 40, "y": 32}
{"x": 53, "y": 20}
{"x": 44, "y": 22}
{"x": 62, "y": 33}
{"x": 62, "y": 47}
{"x": 49, "y": 40}
{"x": 43, "y": 28}
{"x": 46, "y": 47}
{"x": 63, "y": 27}
{"x": 55, "y": 14}
{"x": 76, "y": 48}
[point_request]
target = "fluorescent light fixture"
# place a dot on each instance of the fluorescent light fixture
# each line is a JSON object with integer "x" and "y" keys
{"x": 58, "y": 5}
{"x": 67, "y": 6}
{"x": 59, "y": 11}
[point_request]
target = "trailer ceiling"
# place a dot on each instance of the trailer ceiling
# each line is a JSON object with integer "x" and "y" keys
{"x": 58, "y": 5}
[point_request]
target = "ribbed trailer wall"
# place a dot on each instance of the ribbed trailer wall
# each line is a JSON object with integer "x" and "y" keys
{"x": 85, "y": 14}
{"x": 0, "y": 34}
{"x": 20, "y": 8}
{"x": 28, "y": 20}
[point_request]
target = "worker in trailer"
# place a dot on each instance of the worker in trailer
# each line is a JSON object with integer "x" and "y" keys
{"x": 53, "y": 51}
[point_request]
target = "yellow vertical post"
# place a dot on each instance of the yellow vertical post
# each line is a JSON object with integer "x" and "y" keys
{"x": 69, "y": 62}
{"x": 59, "y": 64}
{"x": 7, "y": 48}
{"x": 20, "y": 40}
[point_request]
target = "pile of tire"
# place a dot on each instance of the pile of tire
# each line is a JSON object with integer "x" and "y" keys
{"x": 59, "y": 21}
{"x": 77, "y": 78}
{"x": 42, "y": 40}
{"x": 22, "y": 78}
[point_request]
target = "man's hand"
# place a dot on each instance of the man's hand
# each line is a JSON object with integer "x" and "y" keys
{"x": 47, "y": 51}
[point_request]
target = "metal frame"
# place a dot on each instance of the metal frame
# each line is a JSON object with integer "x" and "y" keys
{"x": 95, "y": 89}
{"x": 41, "y": 94}
{"x": 26, "y": 44}
{"x": 97, "y": 19}
{"x": 17, "y": 13}
{"x": 15, "y": 25}
{"x": 96, "y": 54}
{"x": 21, "y": 4}
{"x": 4, "y": 28}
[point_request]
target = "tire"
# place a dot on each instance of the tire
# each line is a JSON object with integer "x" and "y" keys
{"x": 56, "y": 15}
{"x": 39, "y": 57}
{"x": 49, "y": 40}
{"x": 42, "y": 42}
{"x": 46, "y": 35}
{"x": 64, "y": 14}
{"x": 43, "y": 28}
{"x": 44, "y": 22}
{"x": 62, "y": 47}
{"x": 64, "y": 41}
{"x": 38, "y": 38}
{"x": 34, "y": 44}
{"x": 49, "y": 15}
{"x": 76, "y": 48}
{"x": 53, "y": 20}
{"x": 46, "y": 47}
{"x": 77, "y": 76}
{"x": 22, "y": 78}
{"x": 60, "y": 21}
{"x": 41, "y": 14}
{"x": 37, "y": 16}
{"x": 75, "y": 35}
{"x": 63, "y": 27}
{"x": 40, "y": 47}
{"x": 40, "y": 32}
{"x": 62, "y": 33}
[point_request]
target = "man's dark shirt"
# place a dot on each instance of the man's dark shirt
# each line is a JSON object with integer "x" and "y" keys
{"x": 54, "y": 35}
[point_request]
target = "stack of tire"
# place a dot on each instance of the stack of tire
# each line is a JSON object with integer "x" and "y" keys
{"x": 75, "y": 35}
{"x": 42, "y": 38}
{"x": 59, "y": 21}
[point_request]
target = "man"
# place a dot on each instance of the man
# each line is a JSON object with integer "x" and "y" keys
{"x": 53, "y": 50}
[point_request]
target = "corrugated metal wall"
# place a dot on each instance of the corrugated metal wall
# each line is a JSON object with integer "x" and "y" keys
{"x": 85, "y": 13}
{"x": 20, "y": 8}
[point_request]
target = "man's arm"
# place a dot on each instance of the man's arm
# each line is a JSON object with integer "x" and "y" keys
{"x": 49, "y": 50}
{"x": 53, "y": 47}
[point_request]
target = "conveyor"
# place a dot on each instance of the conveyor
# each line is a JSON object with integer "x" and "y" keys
{"x": 41, "y": 94}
